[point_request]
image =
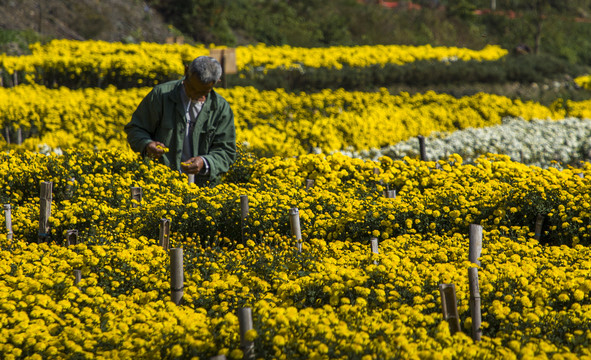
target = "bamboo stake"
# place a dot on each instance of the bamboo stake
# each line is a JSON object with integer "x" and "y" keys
{"x": 165, "y": 233}
{"x": 15, "y": 79}
{"x": 218, "y": 357}
{"x": 245, "y": 322}
{"x": 294, "y": 217}
{"x": 390, "y": 194}
{"x": 449, "y": 306}
{"x": 8, "y": 216}
{"x": 71, "y": 237}
{"x": 19, "y": 136}
{"x": 136, "y": 194}
{"x": 539, "y": 226}
{"x": 191, "y": 178}
{"x": 422, "y": 151}
{"x": 176, "y": 275}
{"x": 475, "y": 304}
{"x": 243, "y": 214}
{"x": 7, "y": 134}
{"x": 77, "y": 276}
{"x": 475, "y": 243}
{"x": 44, "y": 210}
{"x": 70, "y": 188}
{"x": 374, "y": 247}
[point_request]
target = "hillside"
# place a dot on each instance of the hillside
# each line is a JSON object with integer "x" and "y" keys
{"x": 110, "y": 20}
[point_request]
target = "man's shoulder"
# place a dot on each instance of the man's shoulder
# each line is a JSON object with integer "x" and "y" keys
{"x": 220, "y": 100}
{"x": 166, "y": 87}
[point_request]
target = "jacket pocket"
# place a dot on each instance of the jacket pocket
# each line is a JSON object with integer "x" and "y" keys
{"x": 205, "y": 140}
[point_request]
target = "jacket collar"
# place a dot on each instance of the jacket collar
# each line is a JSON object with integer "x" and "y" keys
{"x": 175, "y": 96}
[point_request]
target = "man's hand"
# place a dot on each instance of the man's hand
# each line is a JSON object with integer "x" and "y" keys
{"x": 155, "y": 149}
{"x": 193, "y": 166}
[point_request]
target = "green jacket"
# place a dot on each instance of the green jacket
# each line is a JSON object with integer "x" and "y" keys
{"x": 160, "y": 117}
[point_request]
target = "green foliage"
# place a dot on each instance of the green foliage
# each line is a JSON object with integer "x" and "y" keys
{"x": 522, "y": 69}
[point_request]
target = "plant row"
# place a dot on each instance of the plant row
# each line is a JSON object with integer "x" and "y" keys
{"x": 78, "y": 64}
{"x": 269, "y": 123}
{"x": 330, "y": 300}
{"x": 540, "y": 143}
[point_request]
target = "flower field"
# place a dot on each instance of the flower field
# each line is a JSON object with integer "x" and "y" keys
{"x": 334, "y": 299}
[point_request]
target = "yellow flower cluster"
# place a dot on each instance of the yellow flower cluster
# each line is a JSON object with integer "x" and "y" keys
{"x": 584, "y": 81}
{"x": 146, "y": 60}
{"x": 332, "y": 291}
{"x": 329, "y": 301}
{"x": 270, "y": 122}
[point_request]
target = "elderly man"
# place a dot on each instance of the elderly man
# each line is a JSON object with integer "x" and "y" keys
{"x": 186, "y": 124}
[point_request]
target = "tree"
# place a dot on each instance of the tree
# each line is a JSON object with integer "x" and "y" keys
{"x": 536, "y": 13}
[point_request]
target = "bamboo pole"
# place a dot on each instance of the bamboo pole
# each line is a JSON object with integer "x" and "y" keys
{"x": 7, "y": 134}
{"x": 422, "y": 151}
{"x": 245, "y": 322}
{"x": 71, "y": 237}
{"x": 449, "y": 306}
{"x": 475, "y": 243}
{"x": 165, "y": 233}
{"x": 44, "y": 210}
{"x": 374, "y": 247}
{"x": 19, "y": 136}
{"x": 539, "y": 226}
{"x": 136, "y": 194}
{"x": 70, "y": 188}
{"x": 77, "y": 276}
{"x": 294, "y": 217}
{"x": 176, "y": 275}
{"x": 390, "y": 194}
{"x": 243, "y": 214}
{"x": 8, "y": 216}
{"x": 475, "y": 311}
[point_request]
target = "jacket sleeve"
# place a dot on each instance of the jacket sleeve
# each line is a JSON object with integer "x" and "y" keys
{"x": 144, "y": 121}
{"x": 222, "y": 151}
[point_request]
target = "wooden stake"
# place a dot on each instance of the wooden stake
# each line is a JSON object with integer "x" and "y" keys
{"x": 422, "y": 151}
{"x": 176, "y": 275}
{"x": 8, "y": 216}
{"x": 136, "y": 194}
{"x": 449, "y": 306}
{"x": 475, "y": 243}
{"x": 245, "y": 322}
{"x": 390, "y": 194}
{"x": 7, "y": 134}
{"x": 45, "y": 210}
{"x": 374, "y": 247}
{"x": 165, "y": 233}
{"x": 539, "y": 226}
{"x": 294, "y": 217}
{"x": 71, "y": 237}
{"x": 475, "y": 304}
{"x": 70, "y": 188}
{"x": 243, "y": 214}
{"x": 77, "y": 276}
{"x": 19, "y": 136}
{"x": 309, "y": 184}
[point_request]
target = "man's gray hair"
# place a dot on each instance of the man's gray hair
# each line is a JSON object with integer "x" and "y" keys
{"x": 208, "y": 69}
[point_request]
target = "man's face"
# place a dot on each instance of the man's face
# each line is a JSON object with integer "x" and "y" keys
{"x": 195, "y": 89}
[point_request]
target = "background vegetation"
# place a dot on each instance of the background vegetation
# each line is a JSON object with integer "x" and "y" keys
{"x": 552, "y": 34}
